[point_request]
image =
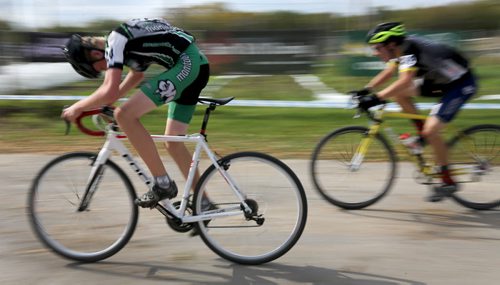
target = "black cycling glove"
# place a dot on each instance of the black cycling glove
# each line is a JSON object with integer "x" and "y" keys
{"x": 368, "y": 101}
{"x": 360, "y": 93}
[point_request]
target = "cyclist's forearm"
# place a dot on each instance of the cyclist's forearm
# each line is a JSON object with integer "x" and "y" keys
{"x": 404, "y": 82}
{"x": 380, "y": 78}
{"x": 132, "y": 79}
{"x": 97, "y": 99}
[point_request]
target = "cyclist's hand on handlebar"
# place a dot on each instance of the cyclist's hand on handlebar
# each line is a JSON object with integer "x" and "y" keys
{"x": 360, "y": 93}
{"x": 368, "y": 101}
{"x": 71, "y": 113}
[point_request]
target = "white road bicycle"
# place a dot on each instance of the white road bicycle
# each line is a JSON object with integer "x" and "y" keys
{"x": 81, "y": 204}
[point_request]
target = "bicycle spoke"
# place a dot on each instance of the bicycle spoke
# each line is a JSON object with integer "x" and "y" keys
{"x": 348, "y": 178}
{"x": 475, "y": 163}
{"x": 277, "y": 203}
{"x": 86, "y": 235}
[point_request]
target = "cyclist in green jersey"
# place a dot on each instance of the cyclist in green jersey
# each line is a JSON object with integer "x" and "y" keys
{"x": 444, "y": 72}
{"x": 137, "y": 44}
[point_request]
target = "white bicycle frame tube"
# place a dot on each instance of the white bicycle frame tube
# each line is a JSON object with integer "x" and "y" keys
{"x": 114, "y": 143}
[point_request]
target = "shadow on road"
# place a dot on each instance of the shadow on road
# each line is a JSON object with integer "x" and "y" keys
{"x": 467, "y": 220}
{"x": 273, "y": 273}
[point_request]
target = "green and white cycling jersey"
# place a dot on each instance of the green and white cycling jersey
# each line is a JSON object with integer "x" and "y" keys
{"x": 139, "y": 43}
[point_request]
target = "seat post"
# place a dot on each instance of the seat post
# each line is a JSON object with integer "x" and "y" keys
{"x": 204, "y": 124}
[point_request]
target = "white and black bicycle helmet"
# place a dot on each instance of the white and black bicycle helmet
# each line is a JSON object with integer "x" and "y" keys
{"x": 74, "y": 50}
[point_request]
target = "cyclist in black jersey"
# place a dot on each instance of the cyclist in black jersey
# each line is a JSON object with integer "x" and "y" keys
{"x": 445, "y": 73}
{"x": 137, "y": 44}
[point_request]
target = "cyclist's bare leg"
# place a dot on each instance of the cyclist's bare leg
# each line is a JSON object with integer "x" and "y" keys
{"x": 432, "y": 128}
{"x": 128, "y": 116}
{"x": 405, "y": 101}
{"x": 178, "y": 150}
{"x": 431, "y": 132}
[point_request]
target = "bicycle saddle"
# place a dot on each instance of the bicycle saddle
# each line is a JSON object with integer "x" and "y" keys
{"x": 216, "y": 101}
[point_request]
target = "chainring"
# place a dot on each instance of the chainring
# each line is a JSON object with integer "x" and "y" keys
{"x": 176, "y": 224}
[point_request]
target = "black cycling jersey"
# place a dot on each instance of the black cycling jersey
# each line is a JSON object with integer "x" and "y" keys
{"x": 434, "y": 62}
{"x": 140, "y": 42}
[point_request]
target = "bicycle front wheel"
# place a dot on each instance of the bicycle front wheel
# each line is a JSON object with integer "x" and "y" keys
{"x": 352, "y": 170}
{"x": 275, "y": 196}
{"x": 475, "y": 164}
{"x": 84, "y": 232}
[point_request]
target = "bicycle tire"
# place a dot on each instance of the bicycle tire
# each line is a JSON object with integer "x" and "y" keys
{"x": 348, "y": 188}
{"x": 89, "y": 235}
{"x": 476, "y": 148}
{"x": 272, "y": 188}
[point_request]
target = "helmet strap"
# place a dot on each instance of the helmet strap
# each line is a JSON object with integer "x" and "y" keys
{"x": 393, "y": 49}
{"x": 91, "y": 60}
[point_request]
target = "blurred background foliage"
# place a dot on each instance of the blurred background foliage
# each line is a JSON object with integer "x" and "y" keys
{"x": 477, "y": 15}
{"x": 474, "y": 27}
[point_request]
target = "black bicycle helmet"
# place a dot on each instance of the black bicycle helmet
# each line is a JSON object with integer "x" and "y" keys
{"x": 74, "y": 50}
{"x": 385, "y": 32}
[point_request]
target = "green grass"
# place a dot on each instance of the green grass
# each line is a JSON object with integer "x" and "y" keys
{"x": 487, "y": 71}
{"x": 32, "y": 126}
{"x": 278, "y": 87}
{"x": 284, "y": 132}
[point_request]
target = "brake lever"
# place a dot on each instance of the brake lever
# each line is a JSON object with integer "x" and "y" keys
{"x": 357, "y": 115}
{"x": 68, "y": 127}
{"x": 108, "y": 111}
{"x": 354, "y": 103}
{"x": 68, "y": 123}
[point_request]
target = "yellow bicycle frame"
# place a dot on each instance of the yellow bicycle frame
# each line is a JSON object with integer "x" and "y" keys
{"x": 378, "y": 116}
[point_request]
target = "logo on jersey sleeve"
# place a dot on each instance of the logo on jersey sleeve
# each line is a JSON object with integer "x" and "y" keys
{"x": 115, "y": 47}
{"x": 109, "y": 55}
{"x": 407, "y": 61}
{"x": 166, "y": 90}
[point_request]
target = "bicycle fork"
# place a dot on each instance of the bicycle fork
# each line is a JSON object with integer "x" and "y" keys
{"x": 362, "y": 149}
{"x": 95, "y": 176}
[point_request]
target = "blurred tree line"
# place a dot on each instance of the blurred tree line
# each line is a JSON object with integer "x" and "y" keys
{"x": 481, "y": 15}
{"x": 480, "y": 19}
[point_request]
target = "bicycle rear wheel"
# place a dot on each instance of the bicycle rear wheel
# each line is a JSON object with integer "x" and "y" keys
{"x": 276, "y": 197}
{"x": 475, "y": 164}
{"x": 91, "y": 233}
{"x": 346, "y": 179}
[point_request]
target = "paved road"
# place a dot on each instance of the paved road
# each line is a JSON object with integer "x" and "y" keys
{"x": 400, "y": 240}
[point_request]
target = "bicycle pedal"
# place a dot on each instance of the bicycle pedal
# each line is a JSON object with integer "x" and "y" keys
{"x": 446, "y": 191}
{"x": 434, "y": 198}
